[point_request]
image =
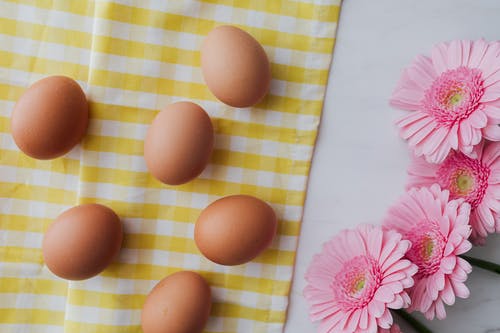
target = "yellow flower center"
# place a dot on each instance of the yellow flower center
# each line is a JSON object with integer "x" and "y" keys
{"x": 455, "y": 99}
{"x": 427, "y": 247}
{"x": 464, "y": 183}
{"x": 357, "y": 284}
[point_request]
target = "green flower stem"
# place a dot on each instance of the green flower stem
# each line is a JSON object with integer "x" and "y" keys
{"x": 487, "y": 265}
{"x": 417, "y": 325}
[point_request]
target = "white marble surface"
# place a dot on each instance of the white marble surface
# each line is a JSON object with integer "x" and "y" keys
{"x": 359, "y": 166}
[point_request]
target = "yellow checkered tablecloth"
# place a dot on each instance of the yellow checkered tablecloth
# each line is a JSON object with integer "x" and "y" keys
{"x": 132, "y": 58}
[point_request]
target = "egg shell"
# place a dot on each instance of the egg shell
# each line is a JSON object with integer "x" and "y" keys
{"x": 235, "y": 229}
{"x": 82, "y": 241}
{"x": 235, "y": 67}
{"x": 179, "y": 143}
{"x": 50, "y": 118}
{"x": 180, "y": 303}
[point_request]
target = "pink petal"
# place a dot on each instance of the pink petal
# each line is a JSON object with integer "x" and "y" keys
{"x": 394, "y": 268}
{"x": 343, "y": 321}
{"x": 321, "y": 313}
{"x": 407, "y": 99}
{"x": 419, "y": 125}
{"x": 331, "y": 322}
{"x": 422, "y": 72}
{"x": 453, "y": 137}
{"x": 389, "y": 245}
{"x": 440, "y": 310}
{"x": 363, "y": 320}
{"x": 460, "y": 289}
{"x": 464, "y": 264}
{"x": 439, "y": 280}
{"x": 491, "y": 203}
{"x": 492, "y": 111}
{"x": 421, "y": 136}
{"x": 440, "y": 154}
{"x": 478, "y": 119}
{"x": 447, "y": 294}
{"x": 459, "y": 274}
{"x": 374, "y": 242}
{"x": 492, "y": 93}
{"x": 434, "y": 140}
{"x": 492, "y": 79}
{"x": 418, "y": 294}
{"x": 492, "y": 132}
{"x": 376, "y": 308}
{"x": 353, "y": 322}
{"x": 384, "y": 294}
{"x": 491, "y": 60}
{"x": 494, "y": 178}
{"x": 386, "y": 319}
{"x": 430, "y": 312}
{"x": 439, "y": 57}
{"x": 454, "y": 54}
{"x": 410, "y": 118}
{"x": 465, "y": 134}
{"x": 396, "y": 255}
{"x": 448, "y": 264}
{"x": 398, "y": 303}
{"x": 466, "y": 49}
{"x": 372, "y": 324}
{"x": 477, "y": 53}
{"x": 486, "y": 218}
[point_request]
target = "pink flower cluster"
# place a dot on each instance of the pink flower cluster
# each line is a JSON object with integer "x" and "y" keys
{"x": 453, "y": 126}
{"x": 413, "y": 260}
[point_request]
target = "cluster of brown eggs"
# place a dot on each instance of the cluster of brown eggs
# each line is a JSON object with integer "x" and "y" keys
{"x": 52, "y": 116}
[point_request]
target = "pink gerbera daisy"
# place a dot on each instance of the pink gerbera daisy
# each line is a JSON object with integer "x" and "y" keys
{"x": 477, "y": 180}
{"x": 438, "y": 230}
{"x": 394, "y": 329}
{"x": 454, "y": 96}
{"x": 359, "y": 275}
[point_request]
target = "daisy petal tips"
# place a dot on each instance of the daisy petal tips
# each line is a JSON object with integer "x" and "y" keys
{"x": 454, "y": 99}
{"x": 438, "y": 230}
{"x": 394, "y": 329}
{"x": 359, "y": 275}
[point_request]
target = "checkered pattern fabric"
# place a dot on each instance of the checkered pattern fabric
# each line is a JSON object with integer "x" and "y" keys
{"x": 132, "y": 59}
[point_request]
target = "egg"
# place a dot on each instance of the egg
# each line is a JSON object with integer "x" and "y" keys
{"x": 180, "y": 303}
{"x": 82, "y": 241}
{"x": 235, "y": 229}
{"x": 235, "y": 67}
{"x": 50, "y": 118}
{"x": 179, "y": 143}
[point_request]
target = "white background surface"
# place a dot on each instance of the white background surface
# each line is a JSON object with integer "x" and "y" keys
{"x": 359, "y": 166}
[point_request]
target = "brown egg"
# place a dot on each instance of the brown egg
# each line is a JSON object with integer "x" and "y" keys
{"x": 235, "y": 66}
{"x": 50, "y": 118}
{"x": 82, "y": 241}
{"x": 179, "y": 143}
{"x": 235, "y": 229}
{"x": 180, "y": 303}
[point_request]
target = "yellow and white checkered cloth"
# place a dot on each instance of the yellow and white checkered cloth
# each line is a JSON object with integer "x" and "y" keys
{"x": 132, "y": 58}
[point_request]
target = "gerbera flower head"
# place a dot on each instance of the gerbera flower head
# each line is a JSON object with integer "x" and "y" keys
{"x": 359, "y": 275}
{"x": 454, "y": 96}
{"x": 438, "y": 230}
{"x": 476, "y": 180}
{"x": 394, "y": 329}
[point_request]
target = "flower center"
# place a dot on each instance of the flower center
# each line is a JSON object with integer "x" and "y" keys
{"x": 464, "y": 177}
{"x": 464, "y": 183}
{"x": 455, "y": 99}
{"x": 454, "y": 95}
{"x": 356, "y": 283}
{"x": 427, "y": 247}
